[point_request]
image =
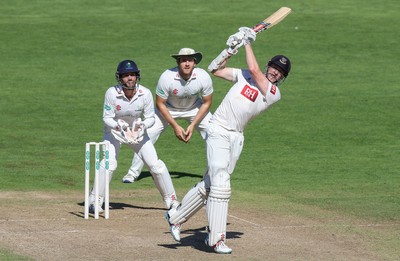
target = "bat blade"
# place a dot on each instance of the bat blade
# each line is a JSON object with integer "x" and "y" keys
{"x": 272, "y": 20}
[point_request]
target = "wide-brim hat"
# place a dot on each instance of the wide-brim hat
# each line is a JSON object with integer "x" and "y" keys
{"x": 188, "y": 52}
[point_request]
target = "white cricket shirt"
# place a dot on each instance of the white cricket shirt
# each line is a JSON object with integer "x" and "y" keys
{"x": 243, "y": 102}
{"x": 184, "y": 95}
{"x": 117, "y": 106}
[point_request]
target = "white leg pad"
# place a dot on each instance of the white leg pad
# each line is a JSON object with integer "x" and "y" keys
{"x": 163, "y": 182}
{"x": 217, "y": 213}
{"x": 193, "y": 201}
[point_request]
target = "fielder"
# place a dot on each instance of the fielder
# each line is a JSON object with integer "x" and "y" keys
{"x": 124, "y": 106}
{"x": 252, "y": 93}
{"x": 183, "y": 92}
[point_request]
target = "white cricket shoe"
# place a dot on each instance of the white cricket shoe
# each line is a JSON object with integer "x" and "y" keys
{"x": 92, "y": 209}
{"x": 220, "y": 247}
{"x": 175, "y": 229}
{"x": 129, "y": 178}
{"x": 91, "y": 204}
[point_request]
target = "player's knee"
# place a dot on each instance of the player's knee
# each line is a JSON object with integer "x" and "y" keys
{"x": 220, "y": 177}
{"x": 158, "y": 168}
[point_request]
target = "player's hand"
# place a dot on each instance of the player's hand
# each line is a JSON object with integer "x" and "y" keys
{"x": 249, "y": 35}
{"x": 188, "y": 133}
{"x": 122, "y": 125}
{"x": 180, "y": 133}
{"x": 141, "y": 130}
{"x": 235, "y": 41}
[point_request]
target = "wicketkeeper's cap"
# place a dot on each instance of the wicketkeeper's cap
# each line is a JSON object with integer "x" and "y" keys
{"x": 188, "y": 52}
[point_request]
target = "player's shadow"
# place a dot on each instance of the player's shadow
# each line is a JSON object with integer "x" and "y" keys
{"x": 194, "y": 238}
{"x": 173, "y": 174}
{"x": 120, "y": 206}
{"x": 143, "y": 175}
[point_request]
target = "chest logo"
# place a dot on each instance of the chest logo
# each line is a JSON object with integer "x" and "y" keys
{"x": 249, "y": 93}
{"x": 118, "y": 108}
{"x": 273, "y": 89}
{"x": 175, "y": 91}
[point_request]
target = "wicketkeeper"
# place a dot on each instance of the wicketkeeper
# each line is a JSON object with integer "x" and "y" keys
{"x": 128, "y": 112}
{"x": 253, "y": 92}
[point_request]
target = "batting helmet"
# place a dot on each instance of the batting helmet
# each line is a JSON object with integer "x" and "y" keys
{"x": 126, "y": 66}
{"x": 281, "y": 63}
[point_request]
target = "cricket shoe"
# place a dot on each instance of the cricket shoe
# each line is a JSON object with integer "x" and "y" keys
{"x": 129, "y": 178}
{"x": 220, "y": 247}
{"x": 91, "y": 204}
{"x": 175, "y": 229}
{"x": 92, "y": 209}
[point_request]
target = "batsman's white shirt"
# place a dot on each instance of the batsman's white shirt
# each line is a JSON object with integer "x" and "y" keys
{"x": 117, "y": 106}
{"x": 243, "y": 102}
{"x": 184, "y": 95}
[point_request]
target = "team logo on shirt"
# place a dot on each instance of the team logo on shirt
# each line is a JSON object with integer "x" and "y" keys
{"x": 118, "y": 108}
{"x": 249, "y": 93}
{"x": 273, "y": 89}
{"x": 175, "y": 91}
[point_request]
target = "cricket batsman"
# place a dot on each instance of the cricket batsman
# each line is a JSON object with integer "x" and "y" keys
{"x": 253, "y": 92}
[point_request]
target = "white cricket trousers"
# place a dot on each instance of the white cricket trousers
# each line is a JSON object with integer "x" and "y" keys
{"x": 223, "y": 150}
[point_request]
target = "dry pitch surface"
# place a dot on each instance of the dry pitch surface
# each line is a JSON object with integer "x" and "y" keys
{"x": 49, "y": 226}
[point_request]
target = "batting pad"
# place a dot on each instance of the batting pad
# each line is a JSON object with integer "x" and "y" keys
{"x": 217, "y": 213}
{"x": 163, "y": 182}
{"x": 192, "y": 202}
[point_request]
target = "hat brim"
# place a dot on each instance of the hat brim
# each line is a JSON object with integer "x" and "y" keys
{"x": 197, "y": 56}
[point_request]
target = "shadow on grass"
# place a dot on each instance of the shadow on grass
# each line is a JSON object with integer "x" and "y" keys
{"x": 195, "y": 238}
{"x": 143, "y": 175}
{"x": 173, "y": 174}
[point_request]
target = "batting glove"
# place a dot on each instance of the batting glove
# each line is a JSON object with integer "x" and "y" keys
{"x": 249, "y": 35}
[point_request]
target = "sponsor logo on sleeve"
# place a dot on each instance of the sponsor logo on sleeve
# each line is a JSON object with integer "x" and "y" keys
{"x": 249, "y": 93}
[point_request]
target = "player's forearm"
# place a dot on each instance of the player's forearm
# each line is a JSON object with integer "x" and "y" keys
{"x": 255, "y": 70}
{"x": 110, "y": 122}
{"x": 162, "y": 108}
{"x": 251, "y": 60}
{"x": 203, "y": 110}
{"x": 148, "y": 122}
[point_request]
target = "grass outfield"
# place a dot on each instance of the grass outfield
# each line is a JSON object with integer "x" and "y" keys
{"x": 331, "y": 143}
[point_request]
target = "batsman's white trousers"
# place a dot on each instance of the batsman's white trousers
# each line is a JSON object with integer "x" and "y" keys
{"x": 223, "y": 150}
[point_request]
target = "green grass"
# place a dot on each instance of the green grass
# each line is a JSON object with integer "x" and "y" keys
{"x": 6, "y": 255}
{"x": 331, "y": 143}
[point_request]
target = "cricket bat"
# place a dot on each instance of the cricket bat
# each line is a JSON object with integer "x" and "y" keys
{"x": 268, "y": 22}
{"x": 272, "y": 20}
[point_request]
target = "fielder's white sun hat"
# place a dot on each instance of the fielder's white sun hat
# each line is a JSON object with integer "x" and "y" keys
{"x": 188, "y": 52}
